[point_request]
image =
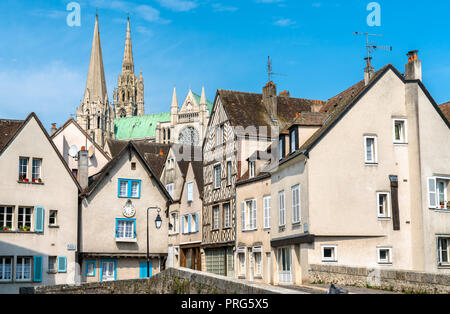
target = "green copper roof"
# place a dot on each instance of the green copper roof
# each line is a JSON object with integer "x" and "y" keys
{"x": 210, "y": 104}
{"x": 139, "y": 127}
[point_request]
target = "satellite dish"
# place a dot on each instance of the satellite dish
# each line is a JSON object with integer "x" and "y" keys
{"x": 73, "y": 151}
{"x": 91, "y": 151}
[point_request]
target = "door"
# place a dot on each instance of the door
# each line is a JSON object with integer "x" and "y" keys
{"x": 108, "y": 271}
{"x": 285, "y": 265}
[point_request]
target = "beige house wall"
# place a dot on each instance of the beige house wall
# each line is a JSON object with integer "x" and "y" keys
{"x": 259, "y": 237}
{"x": 101, "y": 209}
{"x": 58, "y": 192}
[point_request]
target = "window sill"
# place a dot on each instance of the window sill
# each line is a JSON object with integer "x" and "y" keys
{"x": 129, "y": 197}
{"x": 21, "y": 232}
{"x": 384, "y": 218}
{"x": 249, "y": 230}
{"x": 242, "y": 277}
{"x": 329, "y": 261}
{"x": 126, "y": 240}
{"x": 5, "y": 281}
{"x": 442, "y": 210}
{"x": 33, "y": 183}
{"x": 227, "y": 228}
{"x": 400, "y": 144}
{"x": 384, "y": 264}
{"x": 258, "y": 277}
{"x": 52, "y": 272}
{"x": 371, "y": 164}
{"x": 444, "y": 266}
{"x": 53, "y": 227}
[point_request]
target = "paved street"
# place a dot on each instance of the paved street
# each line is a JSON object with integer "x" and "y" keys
{"x": 323, "y": 288}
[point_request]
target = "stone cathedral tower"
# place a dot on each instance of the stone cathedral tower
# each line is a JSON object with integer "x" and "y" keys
{"x": 94, "y": 114}
{"x": 129, "y": 95}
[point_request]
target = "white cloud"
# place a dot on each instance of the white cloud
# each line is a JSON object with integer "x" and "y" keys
{"x": 284, "y": 22}
{"x": 218, "y": 7}
{"x": 150, "y": 14}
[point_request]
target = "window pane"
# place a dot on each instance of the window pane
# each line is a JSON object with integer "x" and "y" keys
{"x": 135, "y": 189}
{"x": 123, "y": 188}
{"x": 369, "y": 149}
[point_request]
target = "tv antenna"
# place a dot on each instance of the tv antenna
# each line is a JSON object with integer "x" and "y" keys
{"x": 269, "y": 70}
{"x": 371, "y": 48}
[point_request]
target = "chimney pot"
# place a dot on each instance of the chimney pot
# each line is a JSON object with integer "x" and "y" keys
{"x": 413, "y": 69}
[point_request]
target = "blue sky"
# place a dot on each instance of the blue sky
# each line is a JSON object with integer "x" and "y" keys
{"x": 217, "y": 43}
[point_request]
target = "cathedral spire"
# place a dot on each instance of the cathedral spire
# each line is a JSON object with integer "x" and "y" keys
{"x": 96, "y": 82}
{"x": 174, "y": 98}
{"x": 203, "y": 100}
{"x": 128, "y": 63}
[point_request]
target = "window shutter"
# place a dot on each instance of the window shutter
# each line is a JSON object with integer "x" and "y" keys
{"x": 243, "y": 216}
{"x": 39, "y": 219}
{"x": 37, "y": 273}
{"x": 254, "y": 214}
{"x": 182, "y": 224}
{"x": 62, "y": 264}
{"x": 143, "y": 270}
{"x": 432, "y": 201}
{"x": 189, "y": 223}
{"x": 196, "y": 222}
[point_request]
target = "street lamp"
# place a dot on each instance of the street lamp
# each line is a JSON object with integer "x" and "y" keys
{"x": 158, "y": 223}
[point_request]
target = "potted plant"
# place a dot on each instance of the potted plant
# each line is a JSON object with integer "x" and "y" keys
{"x": 21, "y": 228}
{"x": 39, "y": 180}
{"x": 448, "y": 205}
{"x": 5, "y": 228}
{"x": 33, "y": 180}
{"x": 21, "y": 177}
{"x": 26, "y": 228}
{"x": 26, "y": 180}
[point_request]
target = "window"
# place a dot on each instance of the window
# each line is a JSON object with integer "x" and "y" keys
{"x": 5, "y": 268}
{"x": 251, "y": 167}
{"x": 125, "y": 229}
{"x": 383, "y": 204}
{"x": 52, "y": 219}
{"x": 23, "y": 269}
{"x": 242, "y": 261}
{"x": 443, "y": 251}
{"x": 370, "y": 149}
{"x": 226, "y": 216}
{"x": 52, "y": 264}
{"x": 329, "y": 253}
{"x": 133, "y": 166}
{"x": 266, "y": 209}
{"x": 216, "y": 217}
{"x": 293, "y": 140}
{"x": 281, "y": 209}
{"x": 169, "y": 188}
{"x": 129, "y": 188}
{"x": 189, "y": 223}
{"x": 90, "y": 268}
{"x": 281, "y": 148}
{"x": 217, "y": 173}
{"x": 384, "y": 255}
{"x": 6, "y": 218}
{"x": 36, "y": 170}
{"x": 23, "y": 168}
{"x": 400, "y": 132}
{"x": 174, "y": 222}
{"x": 257, "y": 257}
{"x": 108, "y": 270}
{"x": 438, "y": 193}
{"x": 284, "y": 265}
{"x": 249, "y": 214}
{"x": 296, "y": 204}
{"x": 229, "y": 172}
{"x": 61, "y": 264}
{"x": 190, "y": 191}
{"x": 24, "y": 218}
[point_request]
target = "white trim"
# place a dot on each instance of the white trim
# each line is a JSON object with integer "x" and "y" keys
{"x": 439, "y": 251}
{"x": 332, "y": 259}
{"x": 388, "y": 205}
{"x": 389, "y": 249}
{"x": 282, "y": 209}
{"x": 374, "y": 151}
{"x": 267, "y": 211}
{"x": 403, "y": 140}
{"x": 293, "y": 190}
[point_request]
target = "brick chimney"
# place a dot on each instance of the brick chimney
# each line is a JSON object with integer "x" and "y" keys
{"x": 53, "y": 130}
{"x": 413, "y": 69}
{"x": 270, "y": 100}
{"x": 368, "y": 71}
{"x": 285, "y": 94}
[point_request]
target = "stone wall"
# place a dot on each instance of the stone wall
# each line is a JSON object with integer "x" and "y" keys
{"x": 393, "y": 280}
{"x": 171, "y": 281}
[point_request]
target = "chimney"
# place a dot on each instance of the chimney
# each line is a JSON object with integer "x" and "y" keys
{"x": 83, "y": 168}
{"x": 285, "y": 94}
{"x": 53, "y": 130}
{"x": 413, "y": 69}
{"x": 270, "y": 100}
{"x": 368, "y": 71}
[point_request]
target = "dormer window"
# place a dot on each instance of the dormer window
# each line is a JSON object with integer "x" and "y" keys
{"x": 293, "y": 140}
{"x": 251, "y": 167}
{"x": 281, "y": 148}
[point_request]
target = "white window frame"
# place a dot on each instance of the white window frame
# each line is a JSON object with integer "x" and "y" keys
{"x": 11, "y": 272}
{"x": 439, "y": 250}
{"x": 25, "y": 215}
{"x": 433, "y": 192}
{"x": 36, "y": 170}
{"x": 296, "y": 207}
{"x": 242, "y": 269}
{"x": 50, "y": 214}
{"x": 387, "y": 214}
{"x": 227, "y": 215}
{"x": 125, "y": 194}
{"x": 251, "y": 169}
{"x": 292, "y": 141}
{"x": 170, "y": 188}
{"x": 16, "y": 272}
{"x": 257, "y": 250}
{"x": 374, "y": 151}
{"x": 389, "y": 256}
{"x": 217, "y": 176}
{"x": 250, "y": 215}
{"x": 52, "y": 267}
{"x": 216, "y": 217}
{"x": 334, "y": 258}
{"x": 174, "y": 218}
{"x": 135, "y": 193}
{"x": 266, "y": 211}
{"x": 23, "y": 169}
{"x": 282, "y": 208}
{"x": 404, "y": 135}
{"x": 124, "y": 228}
{"x": 190, "y": 191}
{"x": 5, "y": 214}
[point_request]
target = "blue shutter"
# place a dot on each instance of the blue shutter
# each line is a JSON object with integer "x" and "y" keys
{"x": 143, "y": 270}
{"x": 62, "y": 264}
{"x": 39, "y": 219}
{"x": 196, "y": 222}
{"x": 37, "y": 273}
